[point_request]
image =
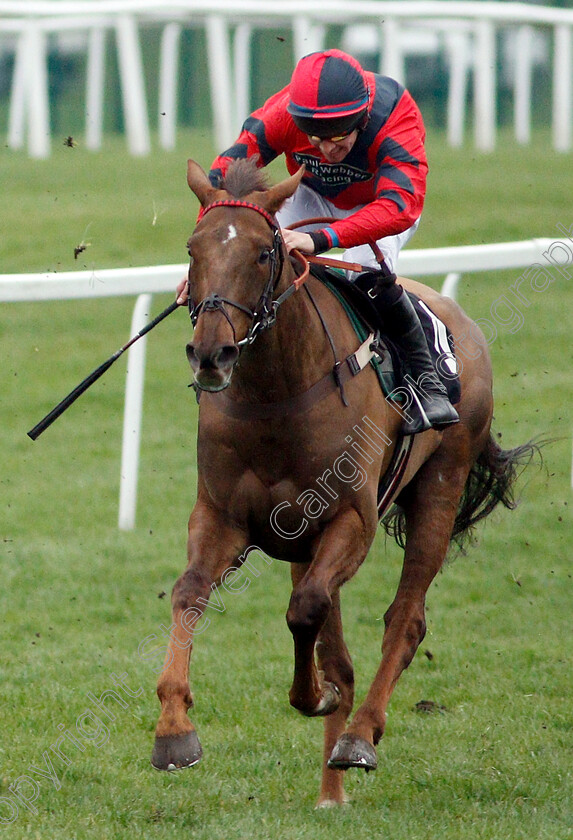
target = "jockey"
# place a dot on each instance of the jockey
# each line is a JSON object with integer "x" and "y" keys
{"x": 361, "y": 138}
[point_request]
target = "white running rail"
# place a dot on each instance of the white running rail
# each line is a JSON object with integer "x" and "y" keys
{"x": 550, "y": 258}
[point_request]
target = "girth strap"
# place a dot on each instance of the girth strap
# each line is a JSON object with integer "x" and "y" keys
{"x": 341, "y": 373}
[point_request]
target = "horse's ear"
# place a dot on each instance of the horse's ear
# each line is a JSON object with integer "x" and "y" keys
{"x": 273, "y": 198}
{"x": 199, "y": 183}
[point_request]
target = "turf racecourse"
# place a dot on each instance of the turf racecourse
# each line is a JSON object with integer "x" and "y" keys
{"x": 492, "y": 761}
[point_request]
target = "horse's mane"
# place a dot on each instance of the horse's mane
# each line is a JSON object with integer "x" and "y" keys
{"x": 243, "y": 177}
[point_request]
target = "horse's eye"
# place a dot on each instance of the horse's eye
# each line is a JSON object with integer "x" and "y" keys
{"x": 264, "y": 256}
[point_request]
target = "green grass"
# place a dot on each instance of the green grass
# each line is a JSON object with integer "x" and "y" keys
{"x": 79, "y": 596}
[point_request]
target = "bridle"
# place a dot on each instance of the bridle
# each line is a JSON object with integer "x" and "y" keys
{"x": 264, "y": 313}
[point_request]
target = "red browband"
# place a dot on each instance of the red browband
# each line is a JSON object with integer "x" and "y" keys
{"x": 236, "y": 202}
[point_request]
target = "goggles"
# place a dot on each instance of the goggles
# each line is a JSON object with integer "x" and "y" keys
{"x": 316, "y": 141}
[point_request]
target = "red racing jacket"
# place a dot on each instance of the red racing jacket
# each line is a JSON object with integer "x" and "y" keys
{"x": 384, "y": 175}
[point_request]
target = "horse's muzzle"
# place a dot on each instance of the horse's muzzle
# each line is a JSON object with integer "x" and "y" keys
{"x": 212, "y": 366}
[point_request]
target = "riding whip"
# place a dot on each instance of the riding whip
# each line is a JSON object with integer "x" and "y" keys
{"x": 95, "y": 375}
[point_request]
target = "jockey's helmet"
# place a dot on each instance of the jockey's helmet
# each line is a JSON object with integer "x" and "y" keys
{"x": 328, "y": 94}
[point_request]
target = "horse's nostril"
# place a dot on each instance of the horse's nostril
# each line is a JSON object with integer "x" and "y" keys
{"x": 222, "y": 357}
{"x": 227, "y": 355}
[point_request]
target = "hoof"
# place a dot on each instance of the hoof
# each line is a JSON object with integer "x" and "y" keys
{"x": 330, "y": 701}
{"x": 332, "y": 803}
{"x": 328, "y": 704}
{"x": 174, "y": 752}
{"x": 352, "y": 751}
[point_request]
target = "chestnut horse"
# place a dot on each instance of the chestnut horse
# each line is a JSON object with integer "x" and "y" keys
{"x": 269, "y": 438}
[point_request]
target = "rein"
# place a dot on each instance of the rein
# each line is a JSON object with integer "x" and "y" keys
{"x": 331, "y": 261}
{"x": 264, "y": 314}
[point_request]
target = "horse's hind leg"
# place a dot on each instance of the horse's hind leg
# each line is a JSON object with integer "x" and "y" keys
{"x": 314, "y": 620}
{"x": 213, "y": 547}
{"x": 335, "y": 663}
{"x": 431, "y": 505}
{"x": 334, "y": 669}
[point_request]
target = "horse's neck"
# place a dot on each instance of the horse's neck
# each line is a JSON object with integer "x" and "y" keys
{"x": 288, "y": 357}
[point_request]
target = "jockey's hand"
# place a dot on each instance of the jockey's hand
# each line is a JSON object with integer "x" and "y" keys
{"x": 300, "y": 241}
{"x": 182, "y": 294}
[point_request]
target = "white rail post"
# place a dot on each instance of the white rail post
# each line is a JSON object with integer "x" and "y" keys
{"x": 132, "y": 86}
{"x": 94, "y": 87}
{"x": 459, "y": 47}
{"x": 562, "y": 89}
{"x": 168, "y": 69}
{"x": 37, "y": 103}
{"x": 308, "y": 37}
{"x": 219, "y": 58}
{"x": 242, "y": 64}
{"x": 392, "y": 58}
{"x": 522, "y": 84}
{"x": 484, "y": 86}
{"x": 132, "y": 416}
{"x": 450, "y": 286}
{"x": 17, "y": 116}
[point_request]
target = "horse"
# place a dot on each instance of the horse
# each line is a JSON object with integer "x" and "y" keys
{"x": 279, "y": 414}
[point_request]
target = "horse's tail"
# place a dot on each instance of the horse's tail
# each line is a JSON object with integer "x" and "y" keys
{"x": 490, "y": 481}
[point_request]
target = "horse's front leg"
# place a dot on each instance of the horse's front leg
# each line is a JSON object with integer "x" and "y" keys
{"x": 308, "y": 611}
{"x": 213, "y": 547}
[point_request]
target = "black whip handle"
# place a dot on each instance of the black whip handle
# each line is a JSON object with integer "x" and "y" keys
{"x": 94, "y": 376}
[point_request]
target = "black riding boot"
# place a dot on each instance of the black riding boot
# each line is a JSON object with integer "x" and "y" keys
{"x": 430, "y": 406}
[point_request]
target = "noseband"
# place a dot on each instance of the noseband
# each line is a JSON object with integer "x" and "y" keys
{"x": 264, "y": 314}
